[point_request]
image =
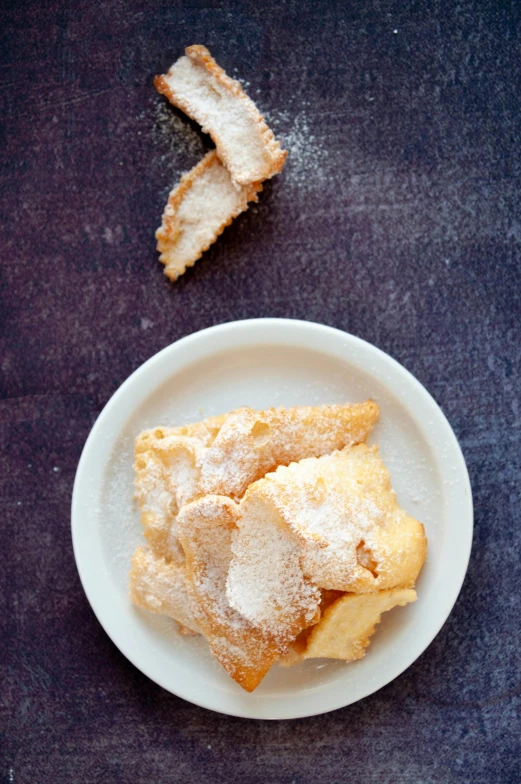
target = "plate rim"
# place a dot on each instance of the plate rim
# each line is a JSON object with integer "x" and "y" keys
{"x": 222, "y": 331}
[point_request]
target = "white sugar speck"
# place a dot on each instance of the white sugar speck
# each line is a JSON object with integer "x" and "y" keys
{"x": 306, "y": 164}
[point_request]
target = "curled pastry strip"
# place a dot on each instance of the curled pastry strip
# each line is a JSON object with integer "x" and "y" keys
{"x": 202, "y": 89}
{"x": 197, "y": 212}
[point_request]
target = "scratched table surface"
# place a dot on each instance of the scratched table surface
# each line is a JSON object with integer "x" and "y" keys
{"x": 397, "y": 218}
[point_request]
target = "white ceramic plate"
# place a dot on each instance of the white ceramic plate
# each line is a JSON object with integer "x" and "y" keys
{"x": 262, "y": 363}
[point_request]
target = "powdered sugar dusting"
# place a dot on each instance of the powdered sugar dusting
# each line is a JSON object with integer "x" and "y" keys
{"x": 161, "y": 587}
{"x": 251, "y": 443}
{"x": 325, "y": 504}
{"x": 308, "y": 164}
{"x": 118, "y": 515}
{"x": 265, "y": 580}
{"x": 206, "y": 529}
{"x": 151, "y": 490}
{"x": 245, "y": 144}
{"x": 182, "y": 472}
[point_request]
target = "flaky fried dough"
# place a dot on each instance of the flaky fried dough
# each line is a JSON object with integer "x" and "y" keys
{"x": 205, "y": 433}
{"x": 222, "y": 455}
{"x": 167, "y": 476}
{"x": 161, "y": 587}
{"x": 303, "y": 565}
{"x": 205, "y": 531}
{"x": 157, "y": 505}
{"x": 265, "y": 583}
{"x": 198, "y": 210}
{"x": 201, "y": 88}
{"x": 346, "y": 626}
{"x": 252, "y": 443}
{"x": 341, "y": 507}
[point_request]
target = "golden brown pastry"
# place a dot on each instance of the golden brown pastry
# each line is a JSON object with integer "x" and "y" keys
{"x": 273, "y": 565}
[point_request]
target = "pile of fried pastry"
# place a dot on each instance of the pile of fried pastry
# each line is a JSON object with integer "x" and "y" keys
{"x": 274, "y": 534}
{"x": 221, "y": 186}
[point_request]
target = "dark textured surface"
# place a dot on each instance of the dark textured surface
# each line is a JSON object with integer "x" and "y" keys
{"x": 401, "y": 224}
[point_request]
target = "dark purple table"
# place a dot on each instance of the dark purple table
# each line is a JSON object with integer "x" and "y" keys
{"x": 398, "y": 218}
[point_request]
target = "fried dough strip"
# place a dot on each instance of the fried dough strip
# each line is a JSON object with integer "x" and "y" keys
{"x": 205, "y": 530}
{"x": 353, "y": 534}
{"x": 252, "y": 443}
{"x": 202, "y": 89}
{"x": 161, "y": 588}
{"x": 265, "y": 582}
{"x": 346, "y": 627}
{"x": 198, "y": 210}
{"x": 204, "y": 432}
